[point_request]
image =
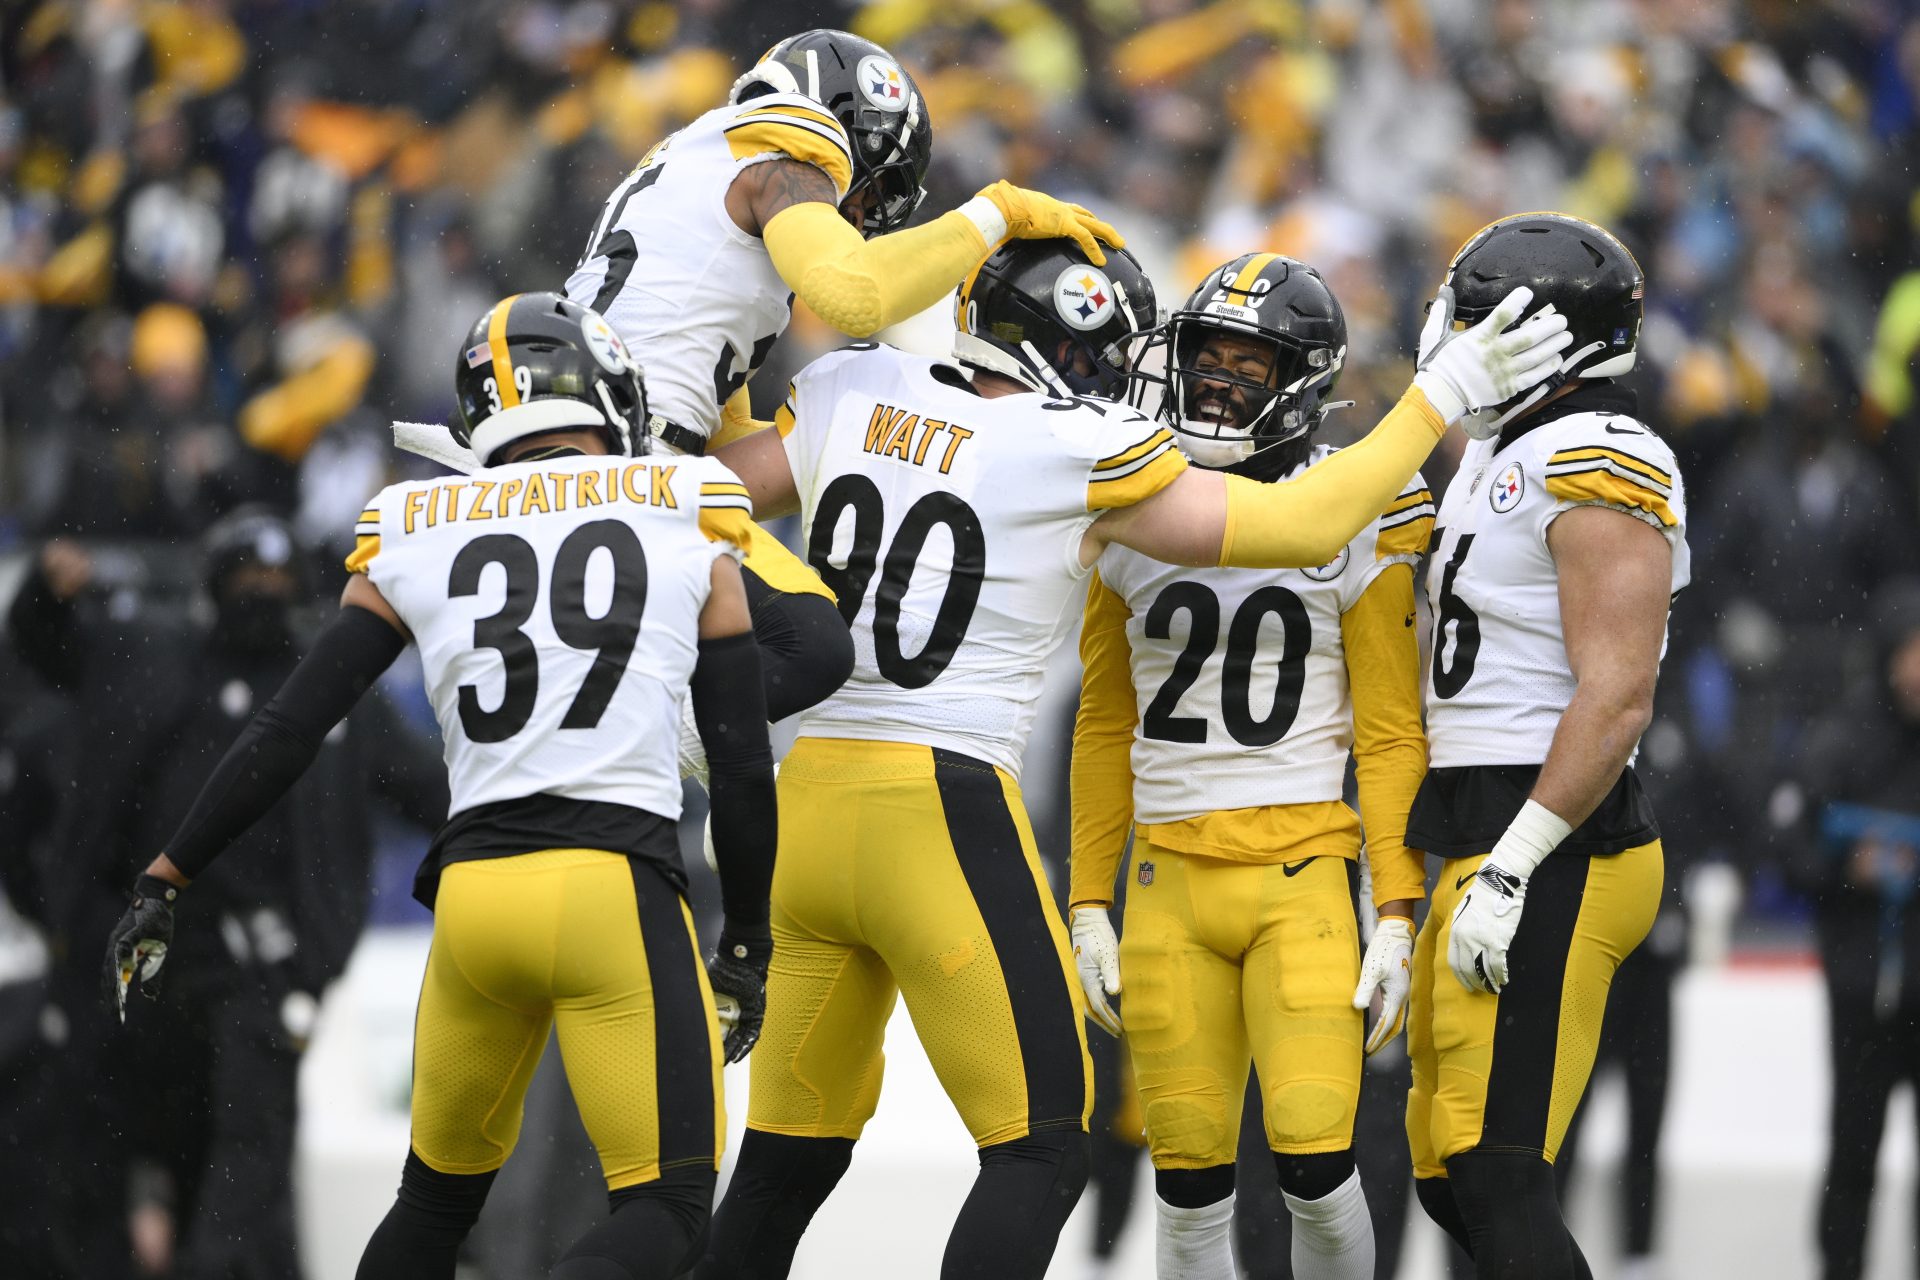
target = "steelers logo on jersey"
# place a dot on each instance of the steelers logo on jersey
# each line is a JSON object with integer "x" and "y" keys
{"x": 1506, "y": 491}
{"x": 1083, "y": 296}
{"x": 606, "y": 345}
{"x": 882, "y": 81}
{"x": 1332, "y": 568}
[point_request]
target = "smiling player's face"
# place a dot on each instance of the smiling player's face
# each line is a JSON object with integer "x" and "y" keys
{"x": 1221, "y": 400}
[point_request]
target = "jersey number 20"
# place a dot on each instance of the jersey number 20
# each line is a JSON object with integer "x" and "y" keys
{"x": 1202, "y": 608}
{"x": 896, "y": 574}
{"x": 611, "y": 635}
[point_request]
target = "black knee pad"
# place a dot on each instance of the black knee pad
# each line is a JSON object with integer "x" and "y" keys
{"x": 448, "y": 1198}
{"x": 1194, "y": 1188}
{"x": 1436, "y": 1197}
{"x": 649, "y": 1235}
{"x": 806, "y": 651}
{"x": 1313, "y": 1177}
{"x": 1068, "y": 1150}
{"x": 1511, "y": 1208}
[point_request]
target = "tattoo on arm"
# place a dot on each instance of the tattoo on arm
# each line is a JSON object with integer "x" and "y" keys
{"x": 781, "y": 184}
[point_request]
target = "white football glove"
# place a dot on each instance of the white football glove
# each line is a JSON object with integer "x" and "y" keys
{"x": 1464, "y": 372}
{"x": 1096, "y": 953}
{"x": 1484, "y": 924}
{"x": 1386, "y": 975}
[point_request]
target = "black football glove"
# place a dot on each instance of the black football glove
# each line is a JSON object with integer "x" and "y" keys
{"x": 737, "y": 972}
{"x": 139, "y": 943}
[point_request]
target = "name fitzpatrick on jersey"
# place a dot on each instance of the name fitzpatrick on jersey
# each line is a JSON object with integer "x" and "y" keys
{"x": 899, "y": 433}
{"x": 540, "y": 491}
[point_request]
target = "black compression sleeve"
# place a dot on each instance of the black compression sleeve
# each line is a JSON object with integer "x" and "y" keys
{"x": 283, "y": 737}
{"x": 730, "y": 711}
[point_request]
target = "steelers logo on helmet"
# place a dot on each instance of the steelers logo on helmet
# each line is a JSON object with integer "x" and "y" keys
{"x": 605, "y": 344}
{"x": 1506, "y": 491}
{"x": 882, "y": 82}
{"x": 1083, "y": 296}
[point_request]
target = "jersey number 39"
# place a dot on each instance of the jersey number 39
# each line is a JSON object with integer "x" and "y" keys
{"x": 611, "y": 635}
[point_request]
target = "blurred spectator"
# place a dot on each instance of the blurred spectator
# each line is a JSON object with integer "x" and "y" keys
{"x": 213, "y": 1119}
{"x": 1862, "y": 870}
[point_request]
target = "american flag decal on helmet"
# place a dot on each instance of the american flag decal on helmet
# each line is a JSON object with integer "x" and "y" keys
{"x": 477, "y": 356}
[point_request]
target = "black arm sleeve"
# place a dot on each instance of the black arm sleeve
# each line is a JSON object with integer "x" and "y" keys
{"x": 730, "y": 711}
{"x": 283, "y": 737}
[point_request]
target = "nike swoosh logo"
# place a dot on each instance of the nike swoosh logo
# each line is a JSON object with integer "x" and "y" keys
{"x": 1612, "y": 430}
{"x": 1295, "y": 868}
{"x": 1461, "y": 882}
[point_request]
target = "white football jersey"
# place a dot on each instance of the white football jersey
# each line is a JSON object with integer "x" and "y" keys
{"x": 950, "y": 525}
{"x": 1498, "y": 678}
{"x": 556, "y": 607}
{"x": 1240, "y": 675}
{"x": 697, "y": 299}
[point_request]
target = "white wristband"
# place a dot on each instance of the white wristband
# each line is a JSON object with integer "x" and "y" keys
{"x": 1535, "y": 832}
{"x": 1441, "y": 395}
{"x": 986, "y": 215}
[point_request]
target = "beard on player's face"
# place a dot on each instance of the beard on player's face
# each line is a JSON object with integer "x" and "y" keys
{"x": 1224, "y": 400}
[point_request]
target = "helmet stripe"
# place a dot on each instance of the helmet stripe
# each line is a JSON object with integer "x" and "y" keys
{"x": 1251, "y": 272}
{"x": 497, "y": 343}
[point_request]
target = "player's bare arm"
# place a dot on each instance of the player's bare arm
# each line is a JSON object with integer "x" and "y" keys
{"x": 764, "y": 191}
{"x": 760, "y": 460}
{"x": 1616, "y": 572}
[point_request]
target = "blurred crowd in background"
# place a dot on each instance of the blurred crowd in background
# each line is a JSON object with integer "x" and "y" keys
{"x": 239, "y": 237}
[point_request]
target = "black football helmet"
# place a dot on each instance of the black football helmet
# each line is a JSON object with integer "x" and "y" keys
{"x": 251, "y": 534}
{"x": 1579, "y": 269}
{"x": 873, "y": 98}
{"x": 1280, "y": 311}
{"x": 1039, "y": 312}
{"x": 537, "y": 362}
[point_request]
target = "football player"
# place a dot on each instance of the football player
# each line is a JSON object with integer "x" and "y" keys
{"x": 956, "y": 510}
{"x": 564, "y": 599}
{"x": 1562, "y": 539}
{"x": 799, "y": 185}
{"x": 1217, "y": 708}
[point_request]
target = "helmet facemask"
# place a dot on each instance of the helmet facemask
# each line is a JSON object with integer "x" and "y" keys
{"x": 1235, "y": 390}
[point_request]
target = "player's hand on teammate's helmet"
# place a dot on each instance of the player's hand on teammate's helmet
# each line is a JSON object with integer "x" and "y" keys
{"x": 1386, "y": 974}
{"x": 1462, "y": 372}
{"x": 737, "y": 972}
{"x": 1035, "y": 215}
{"x": 138, "y": 945}
{"x": 1096, "y": 953}
{"x": 1484, "y": 924}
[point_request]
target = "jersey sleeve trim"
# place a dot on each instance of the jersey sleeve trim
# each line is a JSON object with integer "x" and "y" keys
{"x": 784, "y": 416}
{"x": 787, "y": 125}
{"x": 1406, "y": 527}
{"x": 727, "y": 524}
{"x": 365, "y": 547}
{"x": 1137, "y": 482}
{"x": 1625, "y": 465}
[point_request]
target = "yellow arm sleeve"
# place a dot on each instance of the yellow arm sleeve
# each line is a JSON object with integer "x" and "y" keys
{"x": 736, "y": 421}
{"x": 1389, "y": 747}
{"x": 1305, "y": 521}
{"x": 1896, "y": 336}
{"x": 1102, "y": 772}
{"x": 862, "y": 286}
{"x": 288, "y": 417}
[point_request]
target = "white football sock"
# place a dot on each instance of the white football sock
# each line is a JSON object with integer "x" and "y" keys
{"x": 1194, "y": 1244}
{"x": 1333, "y": 1236}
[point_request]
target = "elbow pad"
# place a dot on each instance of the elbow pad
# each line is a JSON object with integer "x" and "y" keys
{"x": 1303, "y": 522}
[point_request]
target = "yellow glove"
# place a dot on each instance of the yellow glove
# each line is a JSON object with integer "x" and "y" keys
{"x": 1035, "y": 215}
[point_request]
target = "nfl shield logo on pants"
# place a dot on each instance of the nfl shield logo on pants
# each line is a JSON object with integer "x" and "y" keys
{"x": 1146, "y": 873}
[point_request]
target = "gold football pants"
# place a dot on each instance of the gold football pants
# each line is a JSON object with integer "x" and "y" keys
{"x": 600, "y": 946}
{"x": 911, "y": 870}
{"x": 1505, "y": 1072}
{"x": 779, "y": 568}
{"x": 1226, "y": 963}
